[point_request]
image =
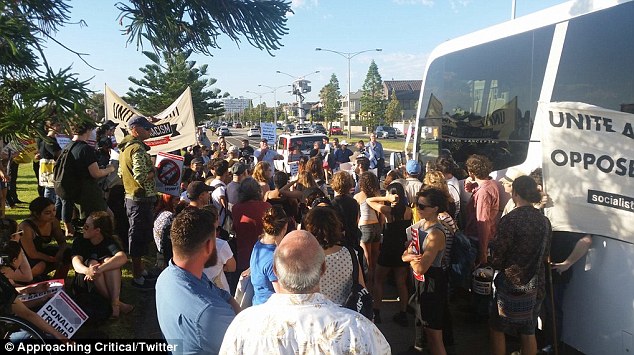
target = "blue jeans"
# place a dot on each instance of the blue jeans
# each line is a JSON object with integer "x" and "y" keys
{"x": 49, "y": 193}
{"x": 64, "y": 209}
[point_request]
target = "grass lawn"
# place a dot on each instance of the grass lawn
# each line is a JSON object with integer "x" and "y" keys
{"x": 127, "y": 326}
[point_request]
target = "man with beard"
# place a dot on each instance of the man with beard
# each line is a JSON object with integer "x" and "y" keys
{"x": 190, "y": 307}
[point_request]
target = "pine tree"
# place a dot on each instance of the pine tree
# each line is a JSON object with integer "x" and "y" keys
{"x": 330, "y": 97}
{"x": 372, "y": 100}
{"x": 394, "y": 109}
{"x": 166, "y": 79}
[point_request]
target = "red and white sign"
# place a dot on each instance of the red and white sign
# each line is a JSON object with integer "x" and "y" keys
{"x": 63, "y": 314}
{"x": 169, "y": 173}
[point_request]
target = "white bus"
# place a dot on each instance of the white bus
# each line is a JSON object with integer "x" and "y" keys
{"x": 491, "y": 92}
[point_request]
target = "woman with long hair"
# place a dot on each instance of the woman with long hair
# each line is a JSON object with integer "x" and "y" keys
{"x": 398, "y": 216}
{"x": 425, "y": 254}
{"x": 520, "y": 252}
{"x": 336, "y": 282}
{"x": 39, "y": 230}
{"x": 262, "y": 173}
{"x": 315, "y": 167}
{"x": 163, "y": 217}
{"x": 262, "y": 277}
{"x": 369, "y": 223}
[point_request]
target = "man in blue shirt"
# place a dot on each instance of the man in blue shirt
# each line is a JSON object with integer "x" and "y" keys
{"x": 191, "y": 310}
{"x": 374, "y": 152}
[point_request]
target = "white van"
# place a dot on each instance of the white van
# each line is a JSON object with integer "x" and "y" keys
{"x": 285, "y": 142}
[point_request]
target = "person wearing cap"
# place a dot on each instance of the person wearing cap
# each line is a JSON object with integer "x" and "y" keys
{"x": 91, "y": 198}
{"x": 137, "y": 172}
{"x": 266, "y": 154}
{"x": 343, "y": 154}
{"x": 233, "y": 154}
{"x": 412, "y": 182}
{"x": 238, "y": 172}
{"x": 198, "y": 194}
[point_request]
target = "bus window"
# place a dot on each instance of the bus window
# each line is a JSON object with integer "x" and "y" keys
{"x": 282, "y": 143}
{"x": 484, "y": 98}
{"x": 601, "y": 41}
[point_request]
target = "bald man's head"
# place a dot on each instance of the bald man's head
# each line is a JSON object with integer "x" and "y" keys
{"x": 299, "y": 262}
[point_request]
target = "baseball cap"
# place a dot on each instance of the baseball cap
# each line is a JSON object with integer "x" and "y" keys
{"x": 264, "y": 140}
{"x": 233, "y": 149}
{"x": 140, "y": 121}
{"x": 511, "y": 174}
{"x": 413, "y": 167}
{"x": 238, "y": 168}
{"x": 110, "y": 124}
{"x": 195, "y": 188}
{"x": 343, "y": 142}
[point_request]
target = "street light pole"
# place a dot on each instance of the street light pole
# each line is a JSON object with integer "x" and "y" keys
{"x": 348, "y": 56}
{"x": 274, "y": 97}
{"x": 259, "y": 94}
{"x": 298, "y": 96}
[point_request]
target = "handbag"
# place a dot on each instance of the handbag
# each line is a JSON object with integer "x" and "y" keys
{"x": 516, "y": 303}
{"x": 244, "y": 292}
{"x": 359, "y": 299}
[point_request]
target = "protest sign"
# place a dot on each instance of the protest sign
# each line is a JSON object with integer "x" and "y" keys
{"x": 169, "y": 173}
{"x": 63, "y": 314}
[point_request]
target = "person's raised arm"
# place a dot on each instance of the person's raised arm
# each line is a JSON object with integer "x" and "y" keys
{"x": 377, "y": 204}
{"x": 97, "y": 172}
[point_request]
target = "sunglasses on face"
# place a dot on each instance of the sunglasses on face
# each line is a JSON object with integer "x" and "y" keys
{"x": 421, "y": 206}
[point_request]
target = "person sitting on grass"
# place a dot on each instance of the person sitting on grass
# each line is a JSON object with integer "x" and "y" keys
{"x": 39, "y": 230}
{"x": 98, "y": 258}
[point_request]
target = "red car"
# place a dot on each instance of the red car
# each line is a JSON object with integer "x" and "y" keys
{"x": 334, "y": 130}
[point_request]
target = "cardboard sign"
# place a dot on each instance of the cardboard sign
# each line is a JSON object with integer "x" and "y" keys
{"x": 169, "y": 173}
{"x": 588, "y": 166}
{"x": 63, "y": 314}
{"x": 53, "y": 287}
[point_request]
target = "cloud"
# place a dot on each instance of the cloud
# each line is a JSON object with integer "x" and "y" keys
{"x": 456, "y": 4}
{"x": 402, "y": 66}
{"x": 296, "y": 4}
{"x": 429, "y": 3}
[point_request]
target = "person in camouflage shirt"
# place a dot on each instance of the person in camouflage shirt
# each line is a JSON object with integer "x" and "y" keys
{"x": 137, "y": 172}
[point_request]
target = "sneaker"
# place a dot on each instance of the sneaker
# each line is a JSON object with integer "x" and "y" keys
{"x": 142, "y": 285}
{"x": 401, "y": 319}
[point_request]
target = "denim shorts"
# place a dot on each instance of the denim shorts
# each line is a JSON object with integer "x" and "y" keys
{"x": 370, "y": 233}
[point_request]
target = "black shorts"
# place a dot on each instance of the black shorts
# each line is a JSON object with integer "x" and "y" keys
{"x": 432, "y": 295}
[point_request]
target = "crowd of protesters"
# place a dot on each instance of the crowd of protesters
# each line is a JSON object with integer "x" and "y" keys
{"x": 235, "y": 216}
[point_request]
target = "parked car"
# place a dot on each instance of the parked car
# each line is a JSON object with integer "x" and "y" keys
{"x": 385, "y": 132}
{"x": 253, "y": 132}
{"x": 224, "y": 132}
{"x": 335, "y": 130}
{"x": 399, "y": 133}
{"x": 289, "y": 128}
{"x": 318, "y": 128}
{"x": 279, "y": 126}
{"x": 238, "y": 125}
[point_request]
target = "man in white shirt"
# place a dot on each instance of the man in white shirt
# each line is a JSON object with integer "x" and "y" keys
{"x": 413, "y": 169}
{"x": 299, "y": 319}
{"x": 266, "y": 154}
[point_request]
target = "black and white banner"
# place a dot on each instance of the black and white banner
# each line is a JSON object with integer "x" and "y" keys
{"x": 175, "y": 129}
{"x": 588, "y": 164}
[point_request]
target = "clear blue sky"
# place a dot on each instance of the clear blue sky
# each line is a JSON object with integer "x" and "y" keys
{"x": 406, "y": 30}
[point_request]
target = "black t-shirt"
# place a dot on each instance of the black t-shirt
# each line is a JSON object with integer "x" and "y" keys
{"x": 248, "y": 149}
{"x": 84, "y": 156}
{"x": 84, "y": 248}
{"x": 348, "y": 209}
{"x": 48, "y": 148}
{"x": 561, "y": 246}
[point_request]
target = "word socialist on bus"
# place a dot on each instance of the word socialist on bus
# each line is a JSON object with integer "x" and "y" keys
{"x": 605, "y": 163}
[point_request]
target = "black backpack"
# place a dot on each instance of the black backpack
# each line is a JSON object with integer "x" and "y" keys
{"x": 67, "y": 181}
